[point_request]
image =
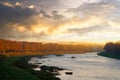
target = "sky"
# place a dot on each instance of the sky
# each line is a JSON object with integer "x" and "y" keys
{"x": 60, "y": 20}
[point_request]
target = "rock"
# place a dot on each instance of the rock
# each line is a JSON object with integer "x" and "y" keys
{"x": 43, "y": 61}
{"x": 69, "y": 73}
{"x": 38, "y": 63}
{"x": 36, "y": 69}
{"x": 35, "y": 66}
{"x": 73, "y": 57}
{"x": 51, "y": 69}
{"x": 59, "y": 55}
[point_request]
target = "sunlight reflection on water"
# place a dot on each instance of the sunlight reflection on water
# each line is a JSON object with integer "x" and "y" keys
{"x": 88, "y": 66}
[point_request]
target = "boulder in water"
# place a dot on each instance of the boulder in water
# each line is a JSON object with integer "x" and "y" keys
{"x": 72, "y": 57}
{"x": 69, "y": 73}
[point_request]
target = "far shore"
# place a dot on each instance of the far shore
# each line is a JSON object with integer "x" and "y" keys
{"x": 110, "y": 55}
{"x": 42, "y": 53}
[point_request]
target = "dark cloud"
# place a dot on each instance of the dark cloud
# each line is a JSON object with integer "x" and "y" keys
{"x": 22, "y": 16}
{"x": 56, "y": 15}
{"x": 45, "y": 14}
{"x": 14, "y": 15}
{"x": 46, "y": 5}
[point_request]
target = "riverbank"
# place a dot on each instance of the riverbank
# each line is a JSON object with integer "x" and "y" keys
{"x": 17, "y": 68}
{"x": 110, "y": 55}
{"x": 10, "y": 72}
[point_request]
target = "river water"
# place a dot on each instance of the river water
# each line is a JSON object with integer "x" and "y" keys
{"x": 88, "y": 66}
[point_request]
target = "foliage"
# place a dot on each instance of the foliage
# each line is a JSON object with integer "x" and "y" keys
{"x": 15, "y": 48}
{"x": 111, "y": 50}
{"x": 2, "y": 57}
{"x": 112, "y": 47}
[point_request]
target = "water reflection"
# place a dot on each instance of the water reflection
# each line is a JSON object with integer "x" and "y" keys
{"x": 88, "y": 66}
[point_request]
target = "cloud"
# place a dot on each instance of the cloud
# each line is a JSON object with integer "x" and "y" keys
{"x": 92, "y": 9}
{"x": 45, "y": 14}
{"x": 105, "y": 12}
{"x": 46, "y": 19}
{"x": 90, "y": 29}
{"x": 7, "y": 4}
{"x": 56, "y": 15}
{"x": 9, "y": 16}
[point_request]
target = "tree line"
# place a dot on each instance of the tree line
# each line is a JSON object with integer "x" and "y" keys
{"x": 8, "y": 47}
{"x": 111, "y": 50}
{"x": 112, "y": 47}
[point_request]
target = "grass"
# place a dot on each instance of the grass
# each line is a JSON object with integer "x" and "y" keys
{"x": 17, "y": 68}
{"x": 11, "y": 72}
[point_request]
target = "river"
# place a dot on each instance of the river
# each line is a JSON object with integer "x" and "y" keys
{"x": 88, "y": 66}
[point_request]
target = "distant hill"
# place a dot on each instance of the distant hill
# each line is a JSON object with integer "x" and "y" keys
{"x": 15, "y": 48}
{"x": 111, "y": 50}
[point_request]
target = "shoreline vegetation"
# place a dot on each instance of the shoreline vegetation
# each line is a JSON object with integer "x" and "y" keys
{"x": 18, "y": 68}
{"x": 111, "y": 50}
{"x": 10, "y": 72}
{"x": 110, "y": 55}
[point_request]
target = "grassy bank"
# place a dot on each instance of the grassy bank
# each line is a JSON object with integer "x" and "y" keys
{"x": 10, "y": 72}
{"x": 110, "y": 55}
{"x": 17, "y": 68}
